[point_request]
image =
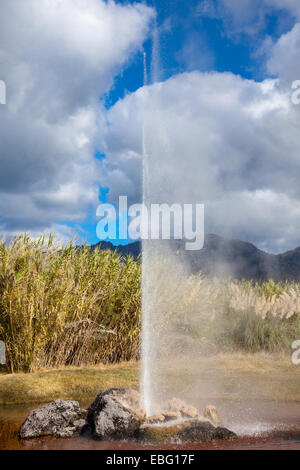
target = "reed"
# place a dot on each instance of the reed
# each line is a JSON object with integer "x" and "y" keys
{"x": 215, "y": 315}
{"x": 65, "y": 306}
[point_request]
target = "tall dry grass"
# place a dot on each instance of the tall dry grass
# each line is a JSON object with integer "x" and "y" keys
{"x": 209, "y": 315}
{"x": 67, "y": 306}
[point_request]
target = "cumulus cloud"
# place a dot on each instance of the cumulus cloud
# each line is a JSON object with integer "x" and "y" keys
{"x": 57, "y": 57}
{"x": 196, "y": 54}
{"x": 211, "y": 138}
{"x": 246, "y": 16}
{"x": 284, "y": 56}
{"x": 220, "y": 139}
{"x": 216, "y": 139}
{"x": 292, "y": 6}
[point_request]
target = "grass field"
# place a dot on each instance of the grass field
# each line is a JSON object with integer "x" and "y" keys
{"x": 79, "y": 384}
{"x": 252, "y": 376}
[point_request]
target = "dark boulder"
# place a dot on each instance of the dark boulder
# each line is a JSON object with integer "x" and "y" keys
{"x": 115, "y": 414}
{"x": 60, "y": 419}
{"x": 204, "y": 432}
{"x": 192, "y": 430}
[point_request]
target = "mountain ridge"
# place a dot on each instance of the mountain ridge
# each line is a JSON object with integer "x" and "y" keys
{"x": 223, "y": 257}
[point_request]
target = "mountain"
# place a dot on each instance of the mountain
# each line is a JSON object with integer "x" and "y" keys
{"x": 222, "y": 257}
{"x": 133, "y": 249}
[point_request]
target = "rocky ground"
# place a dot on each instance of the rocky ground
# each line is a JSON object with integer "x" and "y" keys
{"x": 115, "y": 414}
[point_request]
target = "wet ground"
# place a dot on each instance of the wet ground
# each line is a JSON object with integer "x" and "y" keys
{"x": 259, "y": 425}
{"x": 288, "y": 441}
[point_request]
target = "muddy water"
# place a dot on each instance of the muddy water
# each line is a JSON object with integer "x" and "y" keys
{"x": 259, "y": 425}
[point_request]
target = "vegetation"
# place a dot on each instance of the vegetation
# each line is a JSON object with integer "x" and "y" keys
{"x": 77, "y": 307}
{"x": 212, "y": 315}
{"x": 274, "y": 375}
{"x": 67, "y": 306}
{"x": 67, "y": 383}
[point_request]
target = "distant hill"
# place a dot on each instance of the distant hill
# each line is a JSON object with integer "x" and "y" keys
{"x": 133, "y": 249}
{"x": 221, "y": 257}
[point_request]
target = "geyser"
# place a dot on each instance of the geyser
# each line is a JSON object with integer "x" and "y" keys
{"x": 169, "y": 352}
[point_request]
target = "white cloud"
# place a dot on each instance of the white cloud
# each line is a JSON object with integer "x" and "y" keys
{"x": 62, "y": 234}
{"x": 292, "y": 6}
{"x": 284, "y": 57}
{"x": 57, "y": 57}
{"x": 246, "y": 16}
{"x": 269, "y": 219}
{"x": 196, "y": 54}
{"x": 214, "y": 138}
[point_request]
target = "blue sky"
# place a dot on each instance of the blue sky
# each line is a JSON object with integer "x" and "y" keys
{"x": 189, "y": 41}
{"x": 70, "y": 133}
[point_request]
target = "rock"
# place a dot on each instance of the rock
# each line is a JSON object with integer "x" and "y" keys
{"x": 213, "y": 415}
{"x": 128, "y": 397}
{"x": 225, "y": 434}
{"x": 193, "y": 430}
{"x": 113, "y": 414}
{"x": 204, "y": 432}
{"x": 189, "y": 412}
{"x": 171, "y": 415}
{"x": 59, "y": 418}
{"x": 141, "y": 414}
{"x": 177, "y": 405}
{"x": 155, "y": 419}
